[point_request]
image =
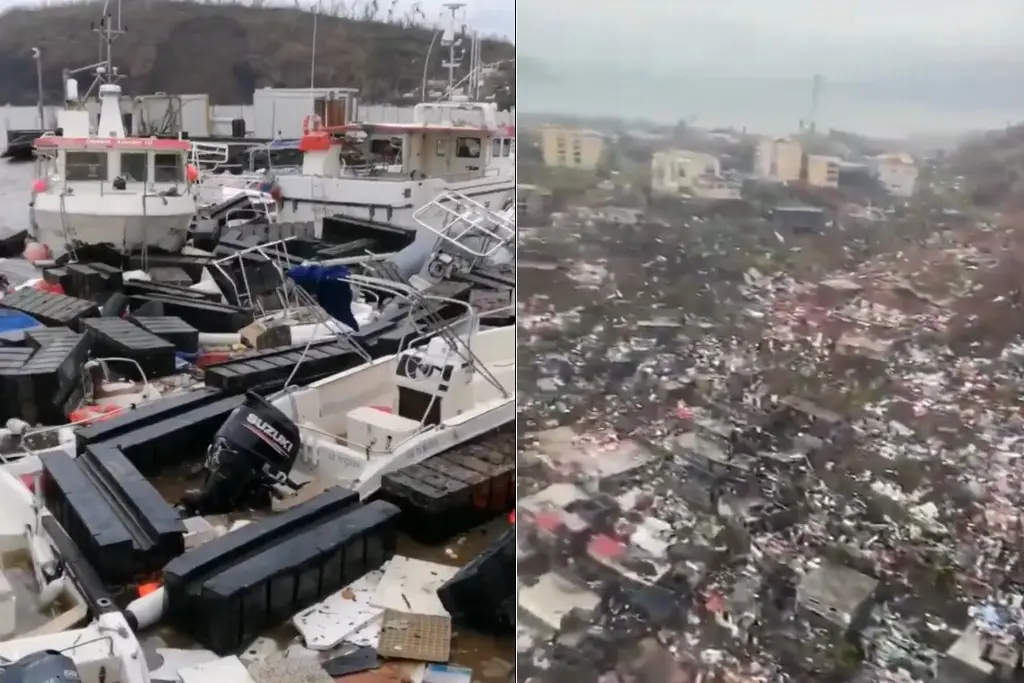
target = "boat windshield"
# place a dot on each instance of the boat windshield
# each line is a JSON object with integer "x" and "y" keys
{"x": 169, "y": 167}
{"x": 85, "y": 165}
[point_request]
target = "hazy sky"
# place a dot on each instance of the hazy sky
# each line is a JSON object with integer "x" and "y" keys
{"x": 896, "y": 49}
{"x": 772, "y": 37}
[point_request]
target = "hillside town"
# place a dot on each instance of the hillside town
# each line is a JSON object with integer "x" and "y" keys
{"x": 770, "y": 414}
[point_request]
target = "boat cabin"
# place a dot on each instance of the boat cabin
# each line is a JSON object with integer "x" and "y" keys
{"x": 116, "y": 163}
{"x": 452, "y": 150}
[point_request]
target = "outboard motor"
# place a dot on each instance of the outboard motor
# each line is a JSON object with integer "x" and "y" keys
{"x": 253, "y": 452}
{"x": 45, "y": 666}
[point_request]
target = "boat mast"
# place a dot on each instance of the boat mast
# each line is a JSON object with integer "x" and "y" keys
{"x": 452, "y": 41}
{"x": 109, "y": 29}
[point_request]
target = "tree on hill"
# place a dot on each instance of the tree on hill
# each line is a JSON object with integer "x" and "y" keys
{"x": 225, "y": 49}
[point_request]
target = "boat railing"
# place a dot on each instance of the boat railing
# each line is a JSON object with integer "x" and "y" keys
{"x": 458, "y": 334}
{"x": 274, "y": 253}
{"x": 209, "y": 155}
{"x": 466, "y": 225}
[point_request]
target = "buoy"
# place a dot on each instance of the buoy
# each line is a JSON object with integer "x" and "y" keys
{"x": 88, "y": 414}
{"x": 39, "y": 185}
{"x": 208, "y": 358}
{"x": 52, "y": 287}
{"x": 512, "y": 517}
{"x": 36, "y": 251}
{"x": 147, "y": 588}
{"x": 29, "y": 480}
{"x": 192, "y": 173}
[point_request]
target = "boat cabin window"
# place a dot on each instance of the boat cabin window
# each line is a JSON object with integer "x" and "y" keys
{"x": 442, "y": 147}
{"x": 85, "y": 166}
{"x": 506, "y": 147}
{"x": 386, "y": 148}
{"x": 168, "y": 168}
{"x": 467, "y": 148}
{"x": 496, "y": 148}
{"x": 135, "y": 167}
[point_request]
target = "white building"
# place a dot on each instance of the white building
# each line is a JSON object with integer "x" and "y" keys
{"x": 779, "y": 160}
{"x": 676, "y": 172}
{"x": 897, "y": 173}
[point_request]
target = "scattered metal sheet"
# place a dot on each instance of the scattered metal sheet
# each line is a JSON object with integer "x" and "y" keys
{"x": 410, "y": 585}
{"x": 331, "y": 621}
{"x": 226, "y": 670}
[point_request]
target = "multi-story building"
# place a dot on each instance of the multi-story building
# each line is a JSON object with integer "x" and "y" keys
{"x": 779, "y": 159}
{"x": 572, "y": 148}
{"x": 897, "y": 173}
{"x": 823, "y": 171}
{"x": 676, "y": 170}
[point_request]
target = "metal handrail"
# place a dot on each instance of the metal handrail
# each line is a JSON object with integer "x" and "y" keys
{"x": 464, "y": 219}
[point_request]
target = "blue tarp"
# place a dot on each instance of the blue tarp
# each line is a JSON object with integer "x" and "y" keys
{"x": 11, "y": 321}
{"x": 323, "y": 284}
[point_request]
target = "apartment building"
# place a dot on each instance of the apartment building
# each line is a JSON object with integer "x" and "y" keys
{"x": 676, "y": 170}
{"x": 683, "y": 172}
{"x": 572, "y": 148}
{"x": 897, "y": 173}
{"x": 779, "y": 159}
{"x": 823, "y": 171}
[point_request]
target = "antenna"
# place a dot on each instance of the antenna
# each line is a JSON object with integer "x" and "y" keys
{"x": 449, "y": 38}
{"x": 816, "y": 85}
{"x": 109, "y": 29}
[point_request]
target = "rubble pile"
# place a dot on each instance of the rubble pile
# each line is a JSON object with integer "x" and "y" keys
{"x": 753, "y": 455}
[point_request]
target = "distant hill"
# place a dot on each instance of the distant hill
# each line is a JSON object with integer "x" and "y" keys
{"x": 226, "y": 50}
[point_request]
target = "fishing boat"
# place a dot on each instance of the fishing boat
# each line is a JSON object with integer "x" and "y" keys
{"x": 100, "y": 187}
{"x": 385, "y": 172}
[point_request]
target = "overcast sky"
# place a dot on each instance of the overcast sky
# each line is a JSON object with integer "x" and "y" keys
{"x": 771, "y": 37}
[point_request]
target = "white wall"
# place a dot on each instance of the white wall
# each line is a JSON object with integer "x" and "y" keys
{"x": 283, "y": 114}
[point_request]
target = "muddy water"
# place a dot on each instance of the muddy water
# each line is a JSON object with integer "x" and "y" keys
{"x": 17, "y": 569}
{"x": 491, "y": 659}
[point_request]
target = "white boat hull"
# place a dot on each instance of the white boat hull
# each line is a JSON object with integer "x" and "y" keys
{"x": 310, "y": 198}
{"x": 116, "y": 221}
{"x": 323, "y": 408}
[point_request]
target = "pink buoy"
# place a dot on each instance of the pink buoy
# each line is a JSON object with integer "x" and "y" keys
{"x": 192, "y": 173}
{"x": 34, "y": 251}
{"x": 39, "y": 185}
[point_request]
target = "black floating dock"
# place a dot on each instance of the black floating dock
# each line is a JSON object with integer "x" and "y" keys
{"x": 205, "y": 316}
{"x": 163, "y": 433}
{"x": 228, "y": 590}
{"x": 92, "y": 282}
{"x": 53, "y": 310}
{"x": 145, "y": 415}
{"x": 451, "y": 492}
{"x": 179, "y": 439}
{"x": 123, "y": 526}
{"x": 119, "y": 338}
{"x": 40, "y": 375}
{"x": 267, "y": 370}
{"x": 482, "y": 595}
{"x": 183, "y": 336}
{"x": 144, "y": 288}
